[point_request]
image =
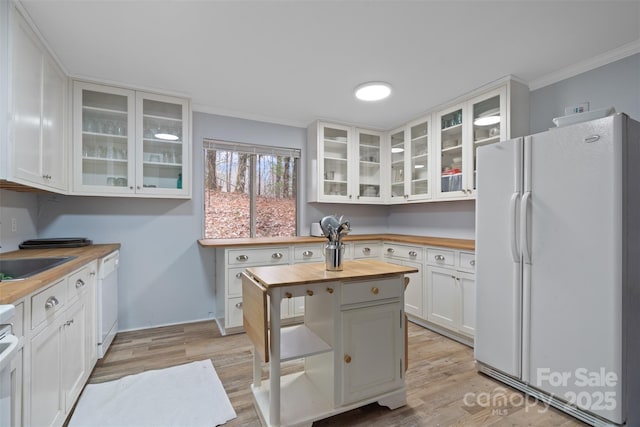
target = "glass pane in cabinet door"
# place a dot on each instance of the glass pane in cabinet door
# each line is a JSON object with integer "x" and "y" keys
{"x": 419, "y": 159}
{"x": 369, "y": 161}
{"x": 486, "y": 126}
{"x": 105, "y": 137}
{"x": 397, "y": 164}
{"x": 451, "y": 152}
{"x": 335, "y": 162}
{"x": 162, "y": 144}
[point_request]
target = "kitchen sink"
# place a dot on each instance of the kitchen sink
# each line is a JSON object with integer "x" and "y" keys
{"x": 21, "y": 268}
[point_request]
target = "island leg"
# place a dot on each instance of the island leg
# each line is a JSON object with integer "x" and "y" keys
{"x": 275, "y": 298}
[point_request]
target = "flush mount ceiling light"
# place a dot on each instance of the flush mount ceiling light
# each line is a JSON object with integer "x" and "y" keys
{"x": 487, "y": 118}
{"x": 373, "y": 91}
{"x": 166, "y": 136}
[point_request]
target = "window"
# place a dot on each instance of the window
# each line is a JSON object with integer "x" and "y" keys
{"x": 250, "y": 190}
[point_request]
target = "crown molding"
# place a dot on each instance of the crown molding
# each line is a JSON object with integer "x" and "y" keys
{"x": 578, "y": 68}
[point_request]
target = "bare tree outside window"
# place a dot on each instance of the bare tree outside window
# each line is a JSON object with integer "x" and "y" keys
{"x": 239, "y": 182}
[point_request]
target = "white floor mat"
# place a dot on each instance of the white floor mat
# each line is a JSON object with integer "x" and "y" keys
{"x": 186, "y": 395}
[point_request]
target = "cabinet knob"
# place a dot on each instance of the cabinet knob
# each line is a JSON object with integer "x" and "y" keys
{"x": 238, "y": 275}
{"x": 350, "y": 196}
{"x": 242, "y": 258}
{"x": 472, "y": 262}
{"x": 68, "y": 322}
{"x": 307, "y": 254}
{"x": 439, "y": 257}
{"x": 330, "y": 290}
{"x": 375, "y": 290}
{"x": 79, "y": 283}
{"x": 366, "y": 250}
{"x": 310, "y": 292}
{"x": 288, "y": 295}
{"x": 131, "y": 187}
{"x": 138, "y": 187}
{"x": 93, "y": 273}
{"x": 239, "y": 305}
{"x": 276, "y": 255}
{"x": 347, "y": 358}
{"x": 413, "y": 253}
{"x": 390, "y": 250}
{"x": 51, "y": 302}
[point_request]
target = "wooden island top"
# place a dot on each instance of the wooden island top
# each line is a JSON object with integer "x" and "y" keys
{"x": 299, "y": 274}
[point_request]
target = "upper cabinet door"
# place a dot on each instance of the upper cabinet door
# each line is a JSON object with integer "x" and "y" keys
{"x": 162, "y": 145}
{"x": 369, "y": 158}
{"x": 451, "y": 124}
{"x": 397, "y": 148}
{"x": 333, "y": 163}
{"x": 55, "y": 143}
{"x": 104, "y": 144}
{"x": 419, "y": 156}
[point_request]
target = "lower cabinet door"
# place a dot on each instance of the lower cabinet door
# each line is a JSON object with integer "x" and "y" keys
{"x": 467, "y": 282}
{"x": 369, "y": 368}
{"x": 414, "y": 293}
{"x": 442, "y": 297}
{"x": 74, "y": 356}
{"x": 47, "y": 406}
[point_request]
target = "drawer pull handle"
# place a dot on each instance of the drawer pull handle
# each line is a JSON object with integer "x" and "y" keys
{"x": 239, "y": 305}
{"x": 242, "y": 257}
{"x": 288, "y": 295}
{"x": 276, "y": 255}
{"x": 472, "y": 262}
{"x": 413, "y": 253}
{"x": 79, "y": 283}
{"x": 93, "y": 273}
{"x": 375, "y": 290}
{"x": 68, "y": 322}
{"x": 439, "y": 257}
{"x": 51, "y": 302}
{"x": 310, "y": 292}
{"x": 347, "y": 358}
{"x": 238, "y": 275}
{"x": 367, "y": 250}
{"x": 390, "y": 250}
{"x": 330, "y": 290}
{"x": 307, "y": 254}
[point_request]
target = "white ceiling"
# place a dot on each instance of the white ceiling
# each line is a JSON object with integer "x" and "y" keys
{"x": 295, "y": 61}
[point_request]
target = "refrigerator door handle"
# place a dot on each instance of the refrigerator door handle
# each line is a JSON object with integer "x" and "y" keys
{"x": 525, "y": 207}
{"x": 513, "y": 226}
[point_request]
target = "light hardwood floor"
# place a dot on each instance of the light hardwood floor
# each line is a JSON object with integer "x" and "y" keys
{"x": 441, "y": 373}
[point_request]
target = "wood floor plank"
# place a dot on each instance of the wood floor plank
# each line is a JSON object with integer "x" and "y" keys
{"x": 441, "y": 373}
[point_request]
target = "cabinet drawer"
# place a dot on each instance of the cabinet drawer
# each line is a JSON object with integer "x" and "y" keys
{"x": 440, "y": 257}
{"x": 311, "y": 253}
{"x": 234, "y": 312}
{"x": 235, "y": 281}
{"x": 410, "y": 253}
{"x": 367, "y": 250}
{"x": 48, "y": 302}
{"x": 366, "y": 291}
{"x": 78, "y": 282}
{"x": 467, "y": 261}
{"x": 264, "y": 256}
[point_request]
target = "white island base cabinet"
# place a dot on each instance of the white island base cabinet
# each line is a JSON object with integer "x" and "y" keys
{"x": 352, "y": 342}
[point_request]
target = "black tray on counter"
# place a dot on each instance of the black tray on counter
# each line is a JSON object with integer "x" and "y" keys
{"x": 58, "y": 242}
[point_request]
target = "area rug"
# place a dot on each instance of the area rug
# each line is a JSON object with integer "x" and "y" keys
{"x": 186, "y": 395}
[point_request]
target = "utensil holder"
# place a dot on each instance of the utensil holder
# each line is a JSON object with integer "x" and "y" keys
{"x": 333, "y": 255}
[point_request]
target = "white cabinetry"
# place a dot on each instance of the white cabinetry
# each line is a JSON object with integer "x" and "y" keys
{"x": 37, "y": 111}
{"x": 409, "y": 256}
{"x": 62, "y": 346}
{"x": 346, "y": 164}
{"x": 411, "y": 162}
{"x": 450, "y": 297}
{"x": 130, "y": 143}
{"x": 17, "y": 368}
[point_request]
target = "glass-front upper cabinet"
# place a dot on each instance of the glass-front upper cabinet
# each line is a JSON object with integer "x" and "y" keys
{"x": 334, "y": 147}
{"x": 104, "y": 139}
{"x": 420, "y": 160}
{"x": 451, "y": 124}
{"x": 369, "y": 170}
{"x": 163, "y": 152}
{"x": 130, "y": 143}
{"x": 397, "y": 147}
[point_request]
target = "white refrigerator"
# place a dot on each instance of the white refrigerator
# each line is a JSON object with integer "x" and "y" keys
{"x": 558, "y": 267}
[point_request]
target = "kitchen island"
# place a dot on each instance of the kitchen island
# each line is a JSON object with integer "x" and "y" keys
{"x": 352, "y": 339}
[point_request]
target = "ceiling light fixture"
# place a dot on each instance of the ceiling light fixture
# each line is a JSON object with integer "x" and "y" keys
{"x": 166, "y": 136}
{"x": 373, "y": 91}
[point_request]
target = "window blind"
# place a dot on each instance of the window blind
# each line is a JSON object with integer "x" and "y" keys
{"x": 241, "y": 147}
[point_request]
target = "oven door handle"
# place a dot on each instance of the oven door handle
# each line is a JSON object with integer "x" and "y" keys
{"x": 7, "y": 354}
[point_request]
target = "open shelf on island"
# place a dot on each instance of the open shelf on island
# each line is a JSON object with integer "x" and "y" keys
{"x": 299, "y": 341}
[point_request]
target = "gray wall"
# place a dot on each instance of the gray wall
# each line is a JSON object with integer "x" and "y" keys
{"x": 613, "y": 85}
{"x": 165, "y": 277}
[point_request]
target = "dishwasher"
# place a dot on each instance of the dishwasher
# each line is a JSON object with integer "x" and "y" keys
{"x": 107, "y": 301}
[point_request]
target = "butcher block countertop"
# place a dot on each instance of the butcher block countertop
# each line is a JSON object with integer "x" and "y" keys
{"x": 11, "y": 291}
{"x": 300, "y": 274}
{"x": 464, "y": 244}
